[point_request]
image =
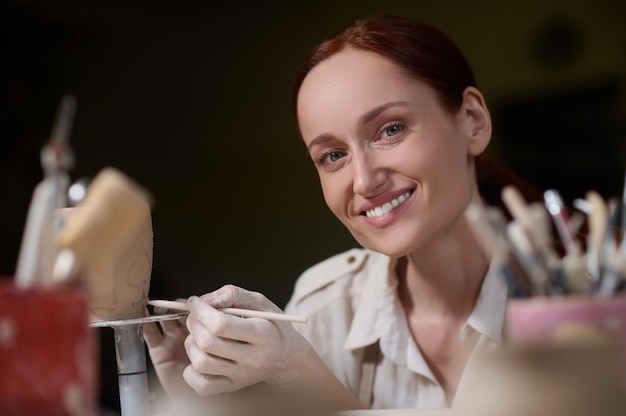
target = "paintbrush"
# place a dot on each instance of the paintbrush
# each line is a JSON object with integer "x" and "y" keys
{"x": 488, "y": 227}
{"x": 576, "y": 274}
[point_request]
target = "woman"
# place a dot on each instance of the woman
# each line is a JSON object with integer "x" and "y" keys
{"x": 390, "y": 114}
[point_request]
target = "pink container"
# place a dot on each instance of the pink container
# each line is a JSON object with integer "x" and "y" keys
{"x": 539, "y": 320}
{"x": 48, "y": 352}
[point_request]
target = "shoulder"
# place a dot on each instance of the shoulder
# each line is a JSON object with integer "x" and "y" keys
{"x": 329, "y": 271}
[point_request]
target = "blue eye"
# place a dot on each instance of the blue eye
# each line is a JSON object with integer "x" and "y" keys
{"x": 330, "y": 157}
{"x": 334, "y": 156}
{"x": 392, "y": 130}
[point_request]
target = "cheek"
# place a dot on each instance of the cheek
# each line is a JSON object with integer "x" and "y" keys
{"x": 442, "y": 170}
{"x": 418, "y": 162}
{"x": 333, "y": 195}
{"x": 443, "y": 154}
{"x": 450, "y": 177}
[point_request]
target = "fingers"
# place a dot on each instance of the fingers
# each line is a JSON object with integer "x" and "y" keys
{"x": 206, "y": 362}
{"x": 169, "y": 331}
{"x": 174, "y": 326}
{"x": 152, "y": 335}
{"x": 206, "y": 384}
{"x": 228, "y": 352}
{"x": 206, "y": 321}
{"x": 232, "y": 296}
{"x": 171, "y": 326}
{"x": 221, "y": 344}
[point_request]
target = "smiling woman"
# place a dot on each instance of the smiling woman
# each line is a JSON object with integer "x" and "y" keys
{"x": 395, "y": 138}
{"x": 389, "y": 111}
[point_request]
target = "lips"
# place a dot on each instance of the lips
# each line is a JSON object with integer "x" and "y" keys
{"x": 379, "y": 211}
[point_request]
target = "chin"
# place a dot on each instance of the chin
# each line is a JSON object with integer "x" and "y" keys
{"x": 394, "y": 249}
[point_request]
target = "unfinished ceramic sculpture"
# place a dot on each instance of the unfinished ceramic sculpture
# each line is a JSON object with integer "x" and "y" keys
{"x": 110, "y": 238}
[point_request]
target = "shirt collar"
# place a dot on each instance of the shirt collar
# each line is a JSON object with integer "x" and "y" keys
{"x": 375, "y": 310}
{"x": 487, "y": 318}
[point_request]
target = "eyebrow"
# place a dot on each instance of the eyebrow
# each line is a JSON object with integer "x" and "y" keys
{"x": 376, "y": 111}
{"x": 322, "y": 138}
{"x": 364, "y": 119}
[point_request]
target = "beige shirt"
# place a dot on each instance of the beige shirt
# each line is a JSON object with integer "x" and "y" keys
{"x": 352, "y": 306}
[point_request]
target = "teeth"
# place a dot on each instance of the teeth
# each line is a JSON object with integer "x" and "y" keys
{"x": 379, "y": 211}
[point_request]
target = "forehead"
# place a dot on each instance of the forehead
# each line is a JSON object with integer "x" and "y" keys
{"x": 349, "y": 84}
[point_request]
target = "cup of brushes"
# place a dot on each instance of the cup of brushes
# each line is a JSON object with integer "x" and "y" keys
{"x": 565, "y": 320}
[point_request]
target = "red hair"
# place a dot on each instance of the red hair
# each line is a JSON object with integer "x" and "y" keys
{"x": 429, "y": 55}
{"x": 422, "y": 50}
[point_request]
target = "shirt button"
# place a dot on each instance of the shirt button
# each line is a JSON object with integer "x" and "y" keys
{"x": 351, "y": 259}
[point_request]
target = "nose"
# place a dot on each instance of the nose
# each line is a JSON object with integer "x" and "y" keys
{"x": 369, "y": 175}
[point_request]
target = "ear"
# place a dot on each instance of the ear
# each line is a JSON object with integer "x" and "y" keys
{"x": 476, "y": 120}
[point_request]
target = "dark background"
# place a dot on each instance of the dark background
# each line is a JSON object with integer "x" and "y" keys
{"x": 194, "y": 103}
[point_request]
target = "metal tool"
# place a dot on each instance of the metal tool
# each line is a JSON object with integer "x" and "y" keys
{"x": 132, "y": 368}
{"x": 37, "y": 250}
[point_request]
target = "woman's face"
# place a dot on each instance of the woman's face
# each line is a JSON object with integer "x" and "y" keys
{"x": 393, "y": 164}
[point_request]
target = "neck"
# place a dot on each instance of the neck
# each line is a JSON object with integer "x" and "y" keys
{"x": 445, "y": 279}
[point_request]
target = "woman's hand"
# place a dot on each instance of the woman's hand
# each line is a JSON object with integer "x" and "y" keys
{"x": 228, "y": 352}
{"x": 167, "y": 352}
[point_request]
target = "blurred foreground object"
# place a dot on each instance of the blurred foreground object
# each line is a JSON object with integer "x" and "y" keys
{"x": 48, "y": 353}
{"x": 37, "y": 250}
{"x": 256, "y": 400}
{"x": 548, "y": 380}
{"x": 570, "y": 320}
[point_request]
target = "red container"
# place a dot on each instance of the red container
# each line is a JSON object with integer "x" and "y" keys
{"x": 48, "y": 352}
{"x": 537, "y": 320}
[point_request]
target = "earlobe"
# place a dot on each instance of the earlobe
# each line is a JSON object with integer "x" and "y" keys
{"x": 477, "y": 120}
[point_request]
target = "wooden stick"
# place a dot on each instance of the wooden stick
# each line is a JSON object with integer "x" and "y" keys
{"x": 246, "y": 313}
